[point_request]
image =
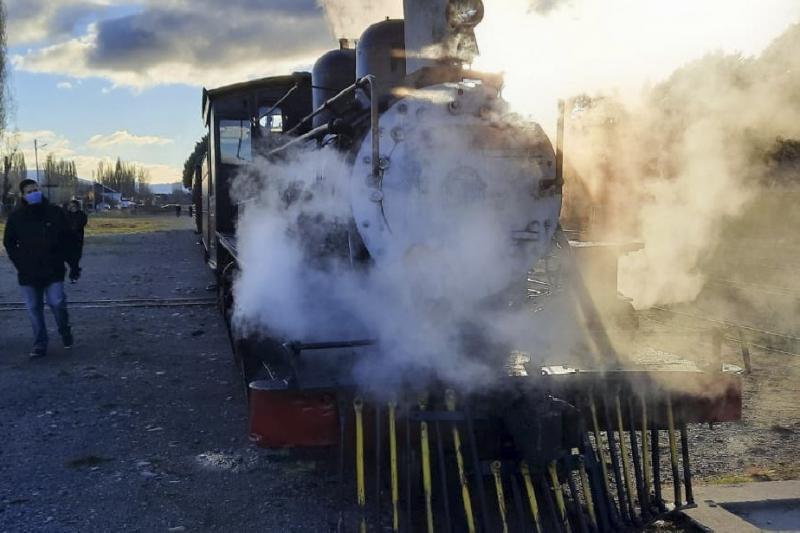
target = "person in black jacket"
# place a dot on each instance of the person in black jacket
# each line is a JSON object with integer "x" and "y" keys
{"x": 77, "y": 220}
{"x": 39, "y": 242}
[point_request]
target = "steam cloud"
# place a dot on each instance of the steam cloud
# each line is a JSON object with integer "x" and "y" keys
{"x": 544, "y": 7}
{"x": 439, "y": 312}
{"x": 349, "y": 18}
{"x": 675, "y": 169}
{"x": 670, "y": 170}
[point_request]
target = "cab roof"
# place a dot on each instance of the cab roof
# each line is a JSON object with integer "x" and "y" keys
{"x": 209, "y": 95}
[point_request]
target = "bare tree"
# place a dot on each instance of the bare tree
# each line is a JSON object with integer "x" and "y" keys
{"x": 131, "y": 180}
{"x": 14, "y": 171}
{"x": 4, "y": 97}
{"x": 61, "y": 174}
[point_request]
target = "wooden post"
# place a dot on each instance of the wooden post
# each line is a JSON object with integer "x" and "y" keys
{"x": 748, "y": 368}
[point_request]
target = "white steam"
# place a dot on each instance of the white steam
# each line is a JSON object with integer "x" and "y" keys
{"x": 434, "y": 309}
{"x": 349, "y": 18}
{"x": 685, "y": 162}
{"x": 669, "y": 164}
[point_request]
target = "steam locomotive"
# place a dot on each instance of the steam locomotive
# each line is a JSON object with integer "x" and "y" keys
{"x": 430, "y": 148}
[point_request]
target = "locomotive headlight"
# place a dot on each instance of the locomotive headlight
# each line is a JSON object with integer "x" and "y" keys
{"x": 465, "y": 13}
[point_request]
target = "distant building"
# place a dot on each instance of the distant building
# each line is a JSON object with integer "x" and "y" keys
{"x": 100, "y": 194}
{"x": 89, "y": 193}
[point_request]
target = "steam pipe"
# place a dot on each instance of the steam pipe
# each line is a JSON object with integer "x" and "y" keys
{"x": 298, "y": 347}
{"x": 301, "y": 139}
{"x": 368, "y": 80}
{"x": 326, "y": 105}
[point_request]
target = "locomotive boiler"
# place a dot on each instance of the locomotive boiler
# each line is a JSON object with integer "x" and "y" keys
{"x": 437, "y": 164}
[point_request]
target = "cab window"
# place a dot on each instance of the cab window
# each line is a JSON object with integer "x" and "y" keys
{"x": 270, "y": 120}
{"x": 235, "y": 142}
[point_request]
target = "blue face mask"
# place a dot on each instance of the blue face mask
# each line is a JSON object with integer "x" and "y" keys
{"x": 34, "y": 197}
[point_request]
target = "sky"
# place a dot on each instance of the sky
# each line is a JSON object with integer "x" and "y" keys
{"x": 97, "y": 79}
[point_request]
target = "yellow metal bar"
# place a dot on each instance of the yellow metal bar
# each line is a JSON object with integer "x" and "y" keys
{"x": 601, "y": 452}
{"x": 673, "y": 453}
{"x": 526, "y": 477}
{"x": 361, "y": 489}
{"x": 623, "y": 451}
{"x": 393, "y": 465}
{"x": 501, "y": 498}
{"x": 559, "y": 495}
{"x": 645, "y": 451}
{"x": 450, "y": 400}
{"x": 587, "y": 493}
{"x": 426, "y": 466}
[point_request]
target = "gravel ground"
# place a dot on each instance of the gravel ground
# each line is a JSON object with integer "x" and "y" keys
{"x": 142, "y": 426}
{"x": 764, "y": 446}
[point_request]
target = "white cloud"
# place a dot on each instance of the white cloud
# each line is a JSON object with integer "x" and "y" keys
{"x": 124, "y": 137}
{"x": 64, "y": 85}
{"x": 36, "y": 21}
{"x": 49, "y": 142}
{"x": 52, "y": 143}
{"x": 182, "y": 42}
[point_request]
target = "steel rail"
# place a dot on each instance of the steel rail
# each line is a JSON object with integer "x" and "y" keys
{"x": 122, "y": 303}
{"x": 729, "y": 324}
{"x": 758, "y": 287}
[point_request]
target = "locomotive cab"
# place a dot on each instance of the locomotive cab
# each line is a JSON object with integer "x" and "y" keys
{"x": 242, "y": 119}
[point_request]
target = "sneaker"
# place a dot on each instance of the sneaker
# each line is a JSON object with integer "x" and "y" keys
{"x": 37, "y": 352}
{"x": 67, "y": 340}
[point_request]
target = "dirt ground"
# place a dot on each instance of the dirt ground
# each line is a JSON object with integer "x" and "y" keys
{"x": 142, "y": 426}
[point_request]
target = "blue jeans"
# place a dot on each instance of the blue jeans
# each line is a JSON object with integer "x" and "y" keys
{"x": 54, "y": 295}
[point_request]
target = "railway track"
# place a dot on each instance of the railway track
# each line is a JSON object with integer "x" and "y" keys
{"x": 123, "y": 303}
{"x": 773, "y": 290}
{"x": 743, "y": 334}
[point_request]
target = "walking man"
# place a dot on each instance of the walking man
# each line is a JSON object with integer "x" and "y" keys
{"x": 39, "y": 242}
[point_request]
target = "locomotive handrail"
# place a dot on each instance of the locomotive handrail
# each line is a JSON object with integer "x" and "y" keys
{"x": 298, "y": 347}
{"x": 327, "y": 104}
{"x": 368, "y": 80}
{"x": 320, "y": 130}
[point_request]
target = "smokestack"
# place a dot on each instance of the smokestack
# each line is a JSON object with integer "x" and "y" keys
{"x": 440, "y": 32}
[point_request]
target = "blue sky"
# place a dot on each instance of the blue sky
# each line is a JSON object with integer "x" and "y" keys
{"x": 97, "y": 79}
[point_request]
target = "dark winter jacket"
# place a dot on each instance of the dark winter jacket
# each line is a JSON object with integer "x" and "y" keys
{"x": 77, "y": 221}
{"x": 39, "y": 241}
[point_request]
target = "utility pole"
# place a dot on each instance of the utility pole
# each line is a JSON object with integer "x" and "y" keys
{"x": 36, "y": 156}
{"x": 36, "y": 147}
